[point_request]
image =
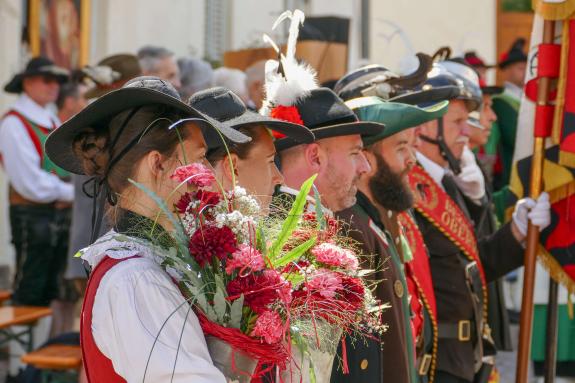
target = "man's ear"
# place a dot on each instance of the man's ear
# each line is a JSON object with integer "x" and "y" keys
{"x": 230, "y": 166}
{"x": 314, "y": 157}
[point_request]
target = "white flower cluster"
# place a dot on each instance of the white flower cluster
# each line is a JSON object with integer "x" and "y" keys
{"x": 240, "y": 224}
{"x": 244, "y": 202}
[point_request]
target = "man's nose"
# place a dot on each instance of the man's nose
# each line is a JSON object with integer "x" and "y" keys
{"x": 363, "y": 164}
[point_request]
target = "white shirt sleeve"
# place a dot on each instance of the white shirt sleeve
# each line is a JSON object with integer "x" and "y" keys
{"x": 140, "y": 314}
{"x": 22, "y": 165}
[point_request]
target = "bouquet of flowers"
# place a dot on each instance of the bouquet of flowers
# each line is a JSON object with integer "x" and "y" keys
{"x": 272, "y": 295}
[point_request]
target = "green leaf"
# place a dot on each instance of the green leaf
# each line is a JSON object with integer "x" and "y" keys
{"x": 261, "y": 240}
{"x": 293, "y": 218}
{"x": 236, "y": 312}
{"x": 321, "y": 224}
{"x": 294, "y": 254}
{"x": 180, "y": 234}
{"x": 220, "y": 305}
{"x": 295, "y": 278}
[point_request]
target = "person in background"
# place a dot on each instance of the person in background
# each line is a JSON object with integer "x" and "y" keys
{"x": 40, "y": 195}
{"x": 71, "y": 99}
{"x": 506, "y": 106}
{"x": 196, "y": 75}
{"x": 477, "y": 63}
{"x": 234, "y": 80}
{"x": 159, "y": 62}
{"x": 255, "y": 79}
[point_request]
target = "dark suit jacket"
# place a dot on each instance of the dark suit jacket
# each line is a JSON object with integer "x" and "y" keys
{"x": 388, "y": 360}
{"x": 499, "y": 254}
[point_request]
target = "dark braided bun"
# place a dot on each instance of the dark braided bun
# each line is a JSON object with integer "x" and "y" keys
{"x": 92, "y": 148}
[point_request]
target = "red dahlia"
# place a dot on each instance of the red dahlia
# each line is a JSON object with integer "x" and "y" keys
{"x": 260, "y": 290}
{"x": 183, "y": 203}
{"x": 211, "y": 241}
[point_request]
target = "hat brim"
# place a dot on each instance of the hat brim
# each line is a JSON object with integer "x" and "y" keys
{"x": 298, "y": 133}
{"x": 428, "y": 96}
{"x": 97, "y": 115}
{"x": 97, "y": 91}
{"x": 396, "y": 117}
{"x": 15, "y": 84}
{"x": 363, "y": 128}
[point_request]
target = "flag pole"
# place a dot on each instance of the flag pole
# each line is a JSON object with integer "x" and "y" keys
{"x": 532, "y": 241}
{"x": 551, "y": 333}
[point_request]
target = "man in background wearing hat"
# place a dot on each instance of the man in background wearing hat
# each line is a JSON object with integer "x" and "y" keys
{"x": 477, "y": 63}
{"x": 40, "y": 196}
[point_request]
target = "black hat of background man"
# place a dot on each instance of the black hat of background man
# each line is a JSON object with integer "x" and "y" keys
{"x": 326, "y": 115}
{"x": 140, "y": 91}
{"x": 226, "y": 107}
{"x": 514, "y": 55}
{"x": 38, "y": 66}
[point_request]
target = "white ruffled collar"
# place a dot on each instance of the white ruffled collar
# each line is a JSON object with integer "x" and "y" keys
{"x": 120, "y": 246}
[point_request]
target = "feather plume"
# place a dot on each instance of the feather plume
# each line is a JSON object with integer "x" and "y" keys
{"x": 287, "y": 81}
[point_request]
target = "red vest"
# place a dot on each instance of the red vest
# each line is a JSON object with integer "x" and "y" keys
{"x": 97, "y": 366}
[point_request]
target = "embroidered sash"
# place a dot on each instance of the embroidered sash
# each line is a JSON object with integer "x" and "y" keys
{"x": 444, "y": 214}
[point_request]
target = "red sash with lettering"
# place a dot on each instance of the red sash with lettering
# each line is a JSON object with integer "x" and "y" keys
{"x": 444, "y": 214}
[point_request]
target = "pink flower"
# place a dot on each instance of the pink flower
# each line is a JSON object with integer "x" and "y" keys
{"x": 333, "y": 255}
{"x": 194, "y": 174}
{"x": 269, "y": 326}
{"x": 325, "y": 282}
{"x": 245, "y": 257}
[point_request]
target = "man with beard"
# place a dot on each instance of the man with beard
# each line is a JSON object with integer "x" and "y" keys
{"x": 374, "y": 222}
{"x": 449, "y": 196}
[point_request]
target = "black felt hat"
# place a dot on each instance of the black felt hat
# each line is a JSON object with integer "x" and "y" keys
{"x": 38, "y": 66}
{"x": 226, "y": 107}
{"x": 326, "y": 115}
{"x": 141, "y": 91}
{"x": 514, "y": 55}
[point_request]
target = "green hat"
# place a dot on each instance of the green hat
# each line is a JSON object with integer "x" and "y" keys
{"x": 394, "y": 115}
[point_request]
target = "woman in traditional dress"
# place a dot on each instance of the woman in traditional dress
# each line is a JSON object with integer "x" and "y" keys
{"x": 136, "y": 325}
{"x": 250, "y": 165}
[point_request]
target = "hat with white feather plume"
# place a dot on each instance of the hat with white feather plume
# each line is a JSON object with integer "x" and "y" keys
{"x": 292, "y": 94}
